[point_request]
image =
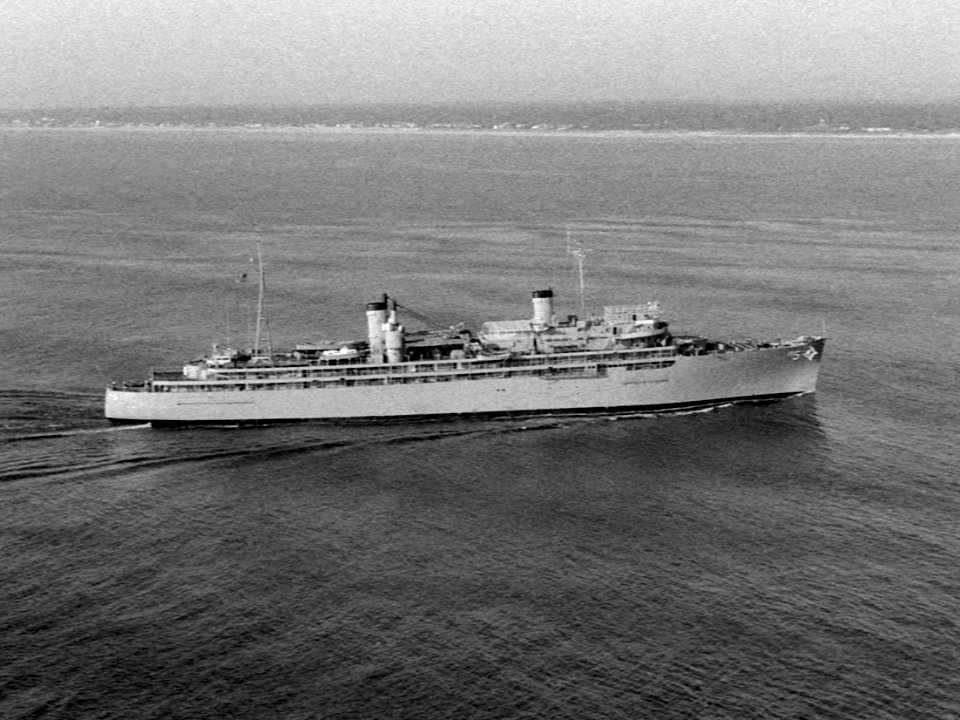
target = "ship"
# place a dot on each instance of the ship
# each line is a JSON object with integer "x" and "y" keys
{"x": 623, "y": 360}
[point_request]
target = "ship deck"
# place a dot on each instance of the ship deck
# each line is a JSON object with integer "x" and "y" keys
{"x": 290, "y": 373}
{"x": 314, "y": 374}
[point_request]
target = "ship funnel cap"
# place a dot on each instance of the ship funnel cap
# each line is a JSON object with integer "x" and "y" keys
{"x": 381, "y": 305}
{"x": 543, "y": 293}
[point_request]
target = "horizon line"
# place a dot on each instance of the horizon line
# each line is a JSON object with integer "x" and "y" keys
{"x": 473, "y": 103}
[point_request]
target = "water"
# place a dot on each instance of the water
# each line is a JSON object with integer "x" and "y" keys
{"x": 792, "y": 560}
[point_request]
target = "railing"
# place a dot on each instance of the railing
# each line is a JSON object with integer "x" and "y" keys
{"x": 434, "y": 366}
{"x": 553, "y": 366}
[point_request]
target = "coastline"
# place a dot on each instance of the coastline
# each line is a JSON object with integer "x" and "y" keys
{"x": 489, "y": 132}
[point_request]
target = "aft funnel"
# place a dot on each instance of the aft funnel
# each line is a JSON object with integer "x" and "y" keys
{"x": 543, "y": 308}
{"x": 376, "y": 317}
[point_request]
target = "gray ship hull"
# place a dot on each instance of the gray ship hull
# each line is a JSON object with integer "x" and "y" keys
{"x": 691, "y": 381}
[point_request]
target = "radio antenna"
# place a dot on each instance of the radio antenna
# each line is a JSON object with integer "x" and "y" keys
{"x": 262, "y": 321}
{"x": 579, "y": 253}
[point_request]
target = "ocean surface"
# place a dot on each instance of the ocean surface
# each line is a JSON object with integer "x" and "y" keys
{"x": 798, "y": 559}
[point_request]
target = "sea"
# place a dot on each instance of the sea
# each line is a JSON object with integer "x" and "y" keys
{"x": 795, "y": 559}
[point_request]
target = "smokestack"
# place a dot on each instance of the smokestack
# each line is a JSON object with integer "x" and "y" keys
{"x": 376, "y": 317}
{"x": 543, "y": 309}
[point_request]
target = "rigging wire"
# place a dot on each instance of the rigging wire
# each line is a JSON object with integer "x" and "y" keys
{"x": 426, "y": 319}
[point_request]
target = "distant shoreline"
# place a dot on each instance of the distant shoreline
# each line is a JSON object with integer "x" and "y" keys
{"x": 514, "y": 119}
{"x": 496, "y": 132}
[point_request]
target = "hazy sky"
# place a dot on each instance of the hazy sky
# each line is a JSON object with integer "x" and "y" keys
{"x": 139, "y": 52}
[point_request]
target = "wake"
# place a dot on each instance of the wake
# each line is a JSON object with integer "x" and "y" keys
{"x": 74, "y": 432}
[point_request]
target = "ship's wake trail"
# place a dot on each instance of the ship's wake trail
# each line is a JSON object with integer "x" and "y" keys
{"x": 84, "y": 452}
{"x": 79, "y": 453}
{"x": 75, "y": 431}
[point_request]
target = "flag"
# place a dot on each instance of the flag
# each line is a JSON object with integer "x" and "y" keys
{"x": 241, "y": 278}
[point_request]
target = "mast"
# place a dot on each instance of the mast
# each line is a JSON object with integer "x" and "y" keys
{"x": 580, "y": 253}
{"x": 261, "y": 318}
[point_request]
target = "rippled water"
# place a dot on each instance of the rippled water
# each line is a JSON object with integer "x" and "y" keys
{"x": 794, "y": 559}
